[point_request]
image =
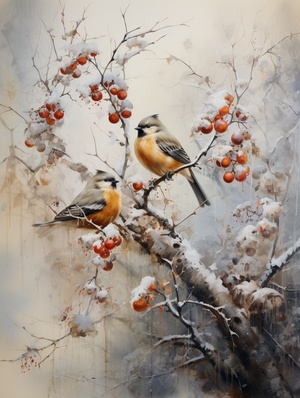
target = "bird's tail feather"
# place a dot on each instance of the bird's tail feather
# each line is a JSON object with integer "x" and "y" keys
{"x": 45, "y": 224}
{"x": 198, "y": 191}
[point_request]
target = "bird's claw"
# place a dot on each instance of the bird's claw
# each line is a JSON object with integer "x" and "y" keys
{"x": 169, "y": 176}
{"x": 151, "y": 185}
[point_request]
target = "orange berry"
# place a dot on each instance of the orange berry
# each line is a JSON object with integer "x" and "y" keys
{"x": 224, "y": 110}
{"x": 220, "y": 125}
{"x": 152, "y": 287}
{"x": 82, "y": 60}
{"x": 114, "y": 91}
{"x": 240, "y": 176}
{"x": 225, "y": 162}
{"x": 72, "y": 67}
{"x": 229, "y": 98}
{"x": 242, "y": 158}
{"x": 228, "y": 177}
{"x": 140, "y": 305}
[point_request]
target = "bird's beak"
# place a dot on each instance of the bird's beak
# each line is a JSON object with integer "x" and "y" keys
{"x": 141, "y": 132}
{"x": 114, "y": 183}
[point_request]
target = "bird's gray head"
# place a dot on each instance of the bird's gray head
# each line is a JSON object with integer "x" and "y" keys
{"x": 150, "y": 125}
{"x": 102, "y": 178}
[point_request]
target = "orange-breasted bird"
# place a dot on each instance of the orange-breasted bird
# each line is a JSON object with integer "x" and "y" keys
{"x": 99, "y": 203}
{"x": 159, "y": 151}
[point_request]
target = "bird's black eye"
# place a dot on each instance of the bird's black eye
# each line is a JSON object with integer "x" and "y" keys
{"x": 109, "y": 179}
{"x": 148, "y": 126}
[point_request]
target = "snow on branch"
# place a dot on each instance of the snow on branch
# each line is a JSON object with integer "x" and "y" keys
{"x": 278, "y": 263}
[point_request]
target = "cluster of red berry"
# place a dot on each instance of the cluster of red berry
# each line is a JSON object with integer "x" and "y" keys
{"x": 39, "y": 131}
{"x": 117, "y": 96}
{"x": 73, "y": 68}
{"x": 51, "y": 113}
{"x": 217, "y": 122}
{"x": 104, "y": 247}
{"x": 237, "y": 158}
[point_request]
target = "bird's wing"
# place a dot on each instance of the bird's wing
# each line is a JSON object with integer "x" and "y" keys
{"x": 75, "y": 211}
{"x": 173, "y": 149}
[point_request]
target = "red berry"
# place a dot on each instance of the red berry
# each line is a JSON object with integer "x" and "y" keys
{"x": 225, "y": 162}
{"x": 206, "y": 129}
{"x": 122, "y": 94}
{"x": 93, "y": 54}
{"x": 102, "y": 251}
{"x": 137, "y": 186}
{"x": 228, "y": 177}
{"x": 140, "y": 305}
{"x": 76, "y": 74}
{"x": 97, "y": 95}
{"x": 108, "y": 266}
{"x": 242, "y": 158}
{"x": 82, "y": 60}
{"x": 113, "y": 118}
{"x": 59, "y": 114}
{"x": 152, "y": 287}
{"x": 241, "y": 116}
{"x": 110, "y": 244}
{"x": 237, "y": 138}
{"x": 240, "y": 176}
{"x": 229, "y": 98}
{"x": 114, "y": 91}
{"x": 126, "y": 114}
{"x": 220, "y": 125}
{"x": 50, "y": 121}
{"x": 50, "y": 107}
{"x": 63, "y": 71}
{"x": 29, "y": 143}
{"x": 72, "y": 67}
{"x": 224, "y": 110}
{"x": 44, "y": 113}
{"x": 117, "y": 239}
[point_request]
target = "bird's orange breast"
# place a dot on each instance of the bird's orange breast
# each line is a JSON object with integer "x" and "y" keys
{"x": 152, "y": 157}
{"x": 111, "y": 210}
